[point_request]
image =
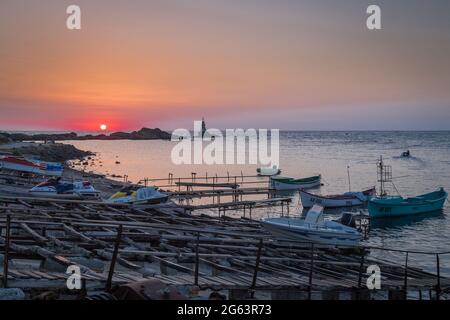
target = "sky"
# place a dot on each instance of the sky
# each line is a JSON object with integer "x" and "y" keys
{"x": 286, "y": 64}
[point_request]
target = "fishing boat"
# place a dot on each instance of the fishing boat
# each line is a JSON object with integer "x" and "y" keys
{"x": 268, "y": 172}
{"x": 384, "y": 205}
{"x": 397, "y": 206}
{"x": 21, "y": 164}
{"x": 313, "y": 228}
{"x": 286, "y": 183}
{"x": 59, "y": 189}
{"x": 348, "y": 199}
{"x": 136, "y": 195}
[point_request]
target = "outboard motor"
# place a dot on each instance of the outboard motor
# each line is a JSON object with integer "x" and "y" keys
{"x": 347, "y": 219}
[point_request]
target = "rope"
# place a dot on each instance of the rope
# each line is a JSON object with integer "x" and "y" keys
{"x": 396, "y": 190}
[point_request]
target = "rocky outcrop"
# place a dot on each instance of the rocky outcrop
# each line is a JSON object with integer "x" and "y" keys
{"x": 4, "y": 139}
{"x": 56, "y": 152}
{"x": 143, "y": 134}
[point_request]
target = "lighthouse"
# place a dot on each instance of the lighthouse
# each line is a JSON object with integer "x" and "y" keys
{"x": 203, "y": 127}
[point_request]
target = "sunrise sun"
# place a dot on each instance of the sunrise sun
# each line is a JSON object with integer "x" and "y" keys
{"x": 103, "y": 127}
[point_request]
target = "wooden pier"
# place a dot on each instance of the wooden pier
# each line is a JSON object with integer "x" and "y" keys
{"x": 118, "y": 244}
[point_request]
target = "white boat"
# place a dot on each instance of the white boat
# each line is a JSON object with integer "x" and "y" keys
{"x": 38, "y": 167}
{"x": 286, "y": 183}
{"x": 313, "y": 229}
{"x": 348, "y": 199}
{"x": 133, "y": 195}
{"x": 56, "y": 188}
{"x": 268, "y": 172}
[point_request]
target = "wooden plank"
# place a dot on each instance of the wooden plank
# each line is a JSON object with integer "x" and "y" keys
{"x": 33, "y": 233}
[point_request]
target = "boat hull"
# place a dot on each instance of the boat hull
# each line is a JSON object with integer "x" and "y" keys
{"x": 38, "y": 167}
{"x": 67, "y": 196}
{"x": 399, "y": 207}
{"x": 341, "y": 201}
{"x": 312, "y": 236}
{"x": 281, "y": 185}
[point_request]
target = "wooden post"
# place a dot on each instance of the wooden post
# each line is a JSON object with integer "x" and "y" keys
{"x": 197, "y": 259}
{"x": 361, "y": 268}
{"x": 406, "y": 277}
{"x": 311, "y": 269}
{"x": 114, "y": 259}
{"x": 6, "y": 257}
{"x": 438, "y": 285}
{"x": 255, "y": 272}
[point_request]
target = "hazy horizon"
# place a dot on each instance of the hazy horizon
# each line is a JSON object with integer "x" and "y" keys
{"x": 287, "y": 64}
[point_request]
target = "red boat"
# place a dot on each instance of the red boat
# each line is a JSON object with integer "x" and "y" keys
{"x": 38, "y": 167}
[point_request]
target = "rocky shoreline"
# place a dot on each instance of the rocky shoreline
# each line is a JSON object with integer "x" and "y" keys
{"x": 54, "y": 152}
{"x": 142, "y": 134}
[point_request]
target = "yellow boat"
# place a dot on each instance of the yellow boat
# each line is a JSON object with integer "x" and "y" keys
{"x": 133, "y": 195}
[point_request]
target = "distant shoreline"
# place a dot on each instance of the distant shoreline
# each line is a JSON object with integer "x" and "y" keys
{"x": 142, "y": 134}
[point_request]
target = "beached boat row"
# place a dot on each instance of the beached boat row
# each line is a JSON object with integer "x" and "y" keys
{"x": 60, "y": 189}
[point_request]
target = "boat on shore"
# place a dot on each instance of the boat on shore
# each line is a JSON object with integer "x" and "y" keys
{"x": 38, "y": 167}
{"x": 59, "y": 189}
{"x": 348, "y": 199}
{"x": 137, "y": 195}
{"x": 313, "y": 228}
{"x": 286, "y": 183}
{"x": 268, "y": 172}
{"x": 397, "y": 206}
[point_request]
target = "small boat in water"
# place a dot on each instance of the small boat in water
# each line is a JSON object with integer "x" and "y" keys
{"x": 397, "y": 206}
{"x": 267, "y": 172}
{"x": 313, "y": 228}
{"x": 286, "y": 183}
{"x": 406, "y": 154}
{"x": 136, "y": 195}
{"x": 56, "y": 188}
{"x": 348, "y": 199}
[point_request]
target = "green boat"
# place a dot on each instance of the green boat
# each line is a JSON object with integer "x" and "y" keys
{"x": 396, "y": 206}
{"x": 384, "y": 206}
{"x": 286, "y": 183}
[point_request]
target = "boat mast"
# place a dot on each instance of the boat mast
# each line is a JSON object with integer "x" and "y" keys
{"x": 381, "y": 176}
{"x": 384, "y": 175}
{"x": 348, "y": 174}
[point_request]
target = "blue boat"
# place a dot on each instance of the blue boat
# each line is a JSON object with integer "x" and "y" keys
{"x": 396, "y": 206}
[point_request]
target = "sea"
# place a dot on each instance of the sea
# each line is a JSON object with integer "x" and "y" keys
{"x": 346, "y": 161}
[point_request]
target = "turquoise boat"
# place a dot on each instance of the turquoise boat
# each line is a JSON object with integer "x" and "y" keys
{"x": 396, "y": 206}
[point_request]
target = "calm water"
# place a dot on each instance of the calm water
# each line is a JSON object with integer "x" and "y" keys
{"x": 329, "y": 153}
